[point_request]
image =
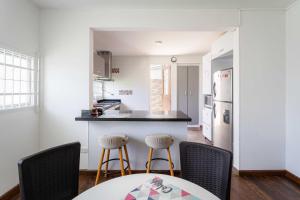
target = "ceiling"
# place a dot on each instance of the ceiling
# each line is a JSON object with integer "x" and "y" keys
{"x": 144, "y": 42}
{"x": 165, "y": 4}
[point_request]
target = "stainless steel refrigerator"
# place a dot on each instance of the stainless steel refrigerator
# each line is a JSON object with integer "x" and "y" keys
{"x": 222, "y": 109}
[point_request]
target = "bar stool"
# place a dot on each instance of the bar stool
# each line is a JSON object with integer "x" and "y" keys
{"x": 109, "y": 142}
{"x": 159, "y": 141}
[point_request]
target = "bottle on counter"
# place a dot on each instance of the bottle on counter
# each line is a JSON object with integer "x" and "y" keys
{"x": 94, "y": 112}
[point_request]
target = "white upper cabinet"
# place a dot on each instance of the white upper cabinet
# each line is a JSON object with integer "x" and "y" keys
{"x": 206, "y": 74}
{"x": 223, "y": 45}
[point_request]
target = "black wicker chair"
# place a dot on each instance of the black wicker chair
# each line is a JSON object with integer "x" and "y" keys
{"x": 52, "y": 174}
{"x": 207, "y": 166}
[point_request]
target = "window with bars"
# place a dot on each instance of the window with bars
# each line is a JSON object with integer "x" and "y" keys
{"x": 19, "y": 78}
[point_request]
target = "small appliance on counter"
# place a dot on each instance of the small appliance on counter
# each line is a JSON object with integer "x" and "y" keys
{"x": 95, "y": 112}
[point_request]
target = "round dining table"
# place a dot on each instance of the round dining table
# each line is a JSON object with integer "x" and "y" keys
{"x": 146, "y": 186}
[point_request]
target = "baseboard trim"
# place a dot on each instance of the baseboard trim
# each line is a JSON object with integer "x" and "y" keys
{"x": 194, "y": 127}
{"x": 262, "y": 172}
{"x": 292, "y": 177}
{"x": 11, "y": 193}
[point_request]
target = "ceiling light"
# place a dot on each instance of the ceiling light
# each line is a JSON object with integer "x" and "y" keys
{"x": 158, "y": 42}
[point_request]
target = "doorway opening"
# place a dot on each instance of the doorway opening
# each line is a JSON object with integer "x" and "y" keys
{"x": 160, "y": 88}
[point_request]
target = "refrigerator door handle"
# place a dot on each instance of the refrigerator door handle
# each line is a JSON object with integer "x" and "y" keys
{"x": 214, "y": 110}
{"x": 214, "y": 89}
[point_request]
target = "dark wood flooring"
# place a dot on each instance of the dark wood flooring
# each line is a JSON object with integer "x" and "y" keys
{"x": 243, "y": 188}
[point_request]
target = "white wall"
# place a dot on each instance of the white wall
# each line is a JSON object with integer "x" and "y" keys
{"x": 65, "y": 40}
{"x": 262, "y": 89}
{"x": 65, "y": 49}
{"x": 19, "y": 129}
{"x": 292, "y": 90}
{"x": 135, "y": 75}
{"x": 236, "y": 101}
{"x": 65, "y": 59}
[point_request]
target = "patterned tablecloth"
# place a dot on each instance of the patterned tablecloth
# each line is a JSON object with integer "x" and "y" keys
{"x": 158, "y": 189}
{"x": 147, "y": 187}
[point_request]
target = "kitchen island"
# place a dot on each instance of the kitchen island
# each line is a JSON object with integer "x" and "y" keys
{"x": 136, "y": 125}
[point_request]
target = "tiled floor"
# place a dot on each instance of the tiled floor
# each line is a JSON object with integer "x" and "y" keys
{"x": 195, "y": 135}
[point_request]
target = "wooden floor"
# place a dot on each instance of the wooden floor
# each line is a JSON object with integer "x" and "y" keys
{"x": 266, "y": 188}
{"x": 242, "y": 188}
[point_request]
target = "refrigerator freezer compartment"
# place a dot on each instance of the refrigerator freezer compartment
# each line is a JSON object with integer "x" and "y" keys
{"x": 222, "y": 85}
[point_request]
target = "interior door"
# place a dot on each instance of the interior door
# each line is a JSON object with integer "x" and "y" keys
{"x": 182, "y": 104}
{"x": 193, "y": 94}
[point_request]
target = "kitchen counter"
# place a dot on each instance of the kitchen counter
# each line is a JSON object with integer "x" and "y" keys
{"x": 137, "y": 115}
{"x": 136, "y": 124}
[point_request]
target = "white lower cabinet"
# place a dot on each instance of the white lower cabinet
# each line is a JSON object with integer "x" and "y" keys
{"x": 207, "y": 131}
{"x": 206, "y": 116}
{"x": 207, "y": 123}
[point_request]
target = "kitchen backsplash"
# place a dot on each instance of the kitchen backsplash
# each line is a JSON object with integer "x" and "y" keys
{"x": 97, "y": 90}
{"x": 125, "y": 92}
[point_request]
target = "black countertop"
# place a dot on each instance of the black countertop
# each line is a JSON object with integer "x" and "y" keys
{"x": 137, "y": 115}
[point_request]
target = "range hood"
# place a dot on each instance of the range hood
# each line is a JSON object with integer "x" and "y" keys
{"x": 102, "y": 68}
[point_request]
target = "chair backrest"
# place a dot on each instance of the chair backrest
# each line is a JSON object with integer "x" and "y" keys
{"x": 207, "y": 166}
{"x": 52, "y": 174}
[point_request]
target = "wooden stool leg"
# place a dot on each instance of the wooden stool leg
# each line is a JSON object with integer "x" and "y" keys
{"x": 99, "y": 167}
{"x": 127, "y": 158}
{"x": 106, "y": 164}
{"x": 121, "y": 161}
{"x": 149, "y": 159}
{"x": 170, "y": 162}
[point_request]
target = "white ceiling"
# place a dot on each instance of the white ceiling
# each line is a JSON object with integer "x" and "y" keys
{"x": 165, "y": 4}
{"x": 143, "y": 42}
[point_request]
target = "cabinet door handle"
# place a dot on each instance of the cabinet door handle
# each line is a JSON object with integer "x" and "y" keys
{"x": 185, "y": 93}
{"x": 190, "y": 93}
